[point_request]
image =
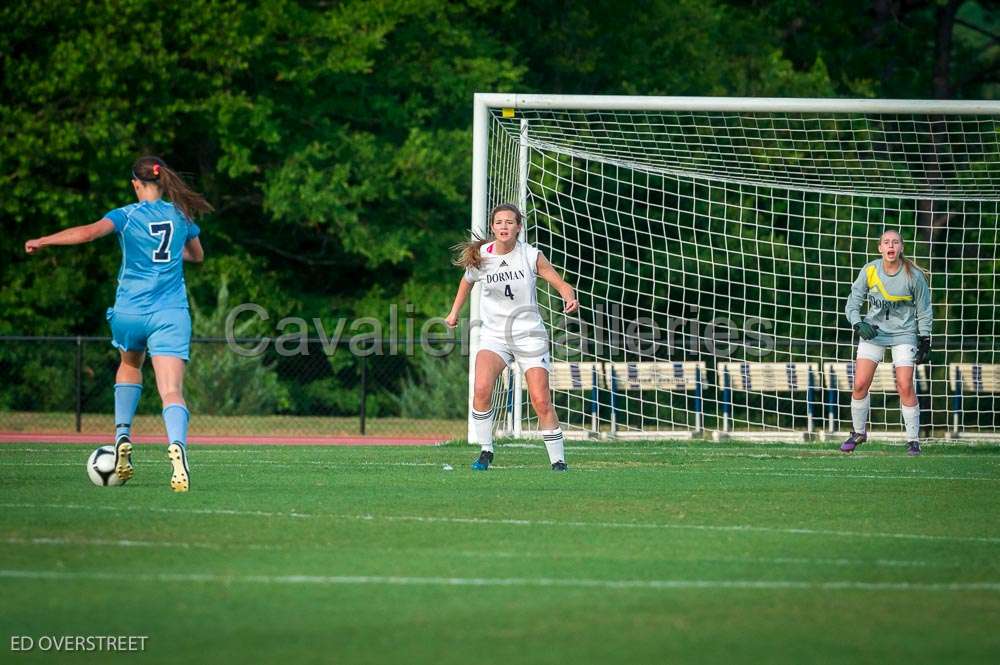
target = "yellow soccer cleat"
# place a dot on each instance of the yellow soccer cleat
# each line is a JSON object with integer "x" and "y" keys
{"x": 123, "y": 458}
{"x": 180, "y": 480}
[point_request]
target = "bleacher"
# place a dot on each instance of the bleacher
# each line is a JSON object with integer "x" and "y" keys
{"x": 821, "y": 385}
{"x": 969, "y": 378}
{"x": 776, "y": 378}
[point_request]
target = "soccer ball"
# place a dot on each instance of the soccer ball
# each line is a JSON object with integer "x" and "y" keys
{"x": 101, "y": 467}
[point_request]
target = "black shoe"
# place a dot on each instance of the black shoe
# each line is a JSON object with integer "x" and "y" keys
{"x": 484, "y": 461}
{"x": 560, "y": 466}
{"x": 912, "y": 448}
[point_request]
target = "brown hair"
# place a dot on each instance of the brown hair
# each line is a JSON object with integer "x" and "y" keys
{"x": 908, "y": 264}
{"x": 154, "y": 170}
{"x": 467, "y": 254}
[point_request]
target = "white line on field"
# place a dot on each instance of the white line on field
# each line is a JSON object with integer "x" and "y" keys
{"x": 697, "y": 527}
{"x": 259, "y": 462}
{"x": 613, "y": 450}
{"x": 190, "y": 511}
{"x": 886, "y": 563}
{"x": 667, "y": 468}
{"x": 523, "y": 522}
{"x": 485, "y": 555}
{"x": 802, "y": 451}
{"x": 332, "y": 580}
{"x": 806, "y": 473}
{"x": 809, "y": 472}
{"x": 128, "y": 543}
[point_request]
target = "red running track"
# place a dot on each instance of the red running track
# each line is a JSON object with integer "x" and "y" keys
{"x": 27, "y": 437}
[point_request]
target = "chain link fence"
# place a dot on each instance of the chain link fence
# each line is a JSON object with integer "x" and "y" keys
{"x": 289, "y": 386}
{"x": 293, "y": 386}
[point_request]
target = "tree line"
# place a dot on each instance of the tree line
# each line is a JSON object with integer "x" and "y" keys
{"x": 334, "y": 139}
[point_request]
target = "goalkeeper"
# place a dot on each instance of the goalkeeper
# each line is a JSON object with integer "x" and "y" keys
{"x": 899, "y": 317}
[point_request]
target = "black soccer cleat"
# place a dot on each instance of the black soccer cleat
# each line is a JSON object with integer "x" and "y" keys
{"x": 559, "y": 466}
{"x": 912, "y": 448}
{"x": 484, "y": 461}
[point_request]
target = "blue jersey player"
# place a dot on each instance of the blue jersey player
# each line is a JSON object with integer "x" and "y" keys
{"x": 150, "y": 314}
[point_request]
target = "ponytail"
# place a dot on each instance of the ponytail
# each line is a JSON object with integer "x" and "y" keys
{"x": 468, "y": 254}
{"x": 909, "y": 266}
{"x": 155, "y": 170}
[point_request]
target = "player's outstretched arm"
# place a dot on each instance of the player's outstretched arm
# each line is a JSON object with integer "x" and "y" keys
{"x": 72, "y": 236}
{"x": 193, "y": 251}
{"x": 547, "y": 272}
{"x": 464, "y": 288}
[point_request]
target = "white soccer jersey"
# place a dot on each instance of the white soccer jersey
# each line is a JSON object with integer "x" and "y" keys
{"x": 508, "y": 306}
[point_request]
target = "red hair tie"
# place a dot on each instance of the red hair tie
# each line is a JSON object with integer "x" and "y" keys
{"x": 156, "y": 170}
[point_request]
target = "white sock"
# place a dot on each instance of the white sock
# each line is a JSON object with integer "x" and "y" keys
{"x": 483, "y": 422}
{"x": 554, "y": 444}
{"x": 859, "y": 413}
{"x": 911, "y": 419}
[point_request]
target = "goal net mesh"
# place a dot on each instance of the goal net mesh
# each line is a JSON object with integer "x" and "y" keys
{"x": 724, "y": 237}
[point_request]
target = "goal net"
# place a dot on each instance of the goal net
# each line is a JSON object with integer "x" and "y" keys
{"x": 713, "y": 243}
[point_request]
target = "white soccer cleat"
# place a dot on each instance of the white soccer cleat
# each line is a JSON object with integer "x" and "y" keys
{"x": 180, "y": 480}
{"x": 123, "y": 458}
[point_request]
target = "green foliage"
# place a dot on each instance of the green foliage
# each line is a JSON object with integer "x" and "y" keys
{"x": 224, "y": 383}
{"x": 436, "y": 387}
{"x": 334, "y": 138}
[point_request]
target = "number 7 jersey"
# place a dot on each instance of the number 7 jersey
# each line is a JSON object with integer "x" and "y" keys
{"x": 508, "y": 306}
{"x": 152, "y": 235}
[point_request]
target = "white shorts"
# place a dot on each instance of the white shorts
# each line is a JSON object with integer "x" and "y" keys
{"x": 902, "y": 354}
{"x": 528, "y": 351}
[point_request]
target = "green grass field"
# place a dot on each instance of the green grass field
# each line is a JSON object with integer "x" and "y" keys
{"x": 665, "y": 553}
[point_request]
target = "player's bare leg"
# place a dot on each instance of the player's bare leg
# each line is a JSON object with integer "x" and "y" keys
{"x": 864, "y": 372}
{"x": 169, "y": 382}
{"x": 537, "y": 379}
{"x": 909, "y": 407}
{"x": 488, "y": 368}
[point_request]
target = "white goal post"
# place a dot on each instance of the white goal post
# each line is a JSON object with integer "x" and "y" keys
{"x": 713, "y": 242}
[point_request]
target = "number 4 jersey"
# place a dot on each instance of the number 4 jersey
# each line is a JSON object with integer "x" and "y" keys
{"x": 508, "y": 306}
{"x": 152, "y": 235}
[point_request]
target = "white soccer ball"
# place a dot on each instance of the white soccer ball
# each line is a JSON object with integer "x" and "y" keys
{"x": 101, "y": 467}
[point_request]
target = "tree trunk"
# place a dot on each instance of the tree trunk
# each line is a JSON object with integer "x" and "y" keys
{"x": 932, "y": 223}
{"x": 883, "y": 11}
{"x": 945, "y": 22}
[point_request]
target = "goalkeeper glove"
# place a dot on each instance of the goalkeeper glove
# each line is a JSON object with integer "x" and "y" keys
{"x": 923, "y": 351}
{"x": 866, "y": 330}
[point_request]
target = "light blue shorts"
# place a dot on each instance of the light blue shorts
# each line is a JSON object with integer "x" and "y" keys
{"x": 163, "y": 333}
